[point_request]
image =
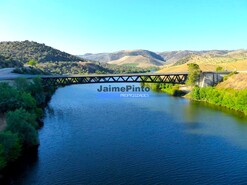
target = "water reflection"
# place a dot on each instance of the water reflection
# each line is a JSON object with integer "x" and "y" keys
{"x": 204, "y": 119}
{"x": 155, "y": 140}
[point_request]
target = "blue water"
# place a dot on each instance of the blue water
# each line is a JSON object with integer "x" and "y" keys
{"x": 88, "y": 138}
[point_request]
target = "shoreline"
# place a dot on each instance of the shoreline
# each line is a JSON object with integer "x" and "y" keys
{"x": 186, "y": 93}
{"x": 20, "y": 117}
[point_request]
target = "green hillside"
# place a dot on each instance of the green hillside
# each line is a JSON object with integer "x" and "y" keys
{"x": 26, "y": 50}
{"x": 8, "y": 62}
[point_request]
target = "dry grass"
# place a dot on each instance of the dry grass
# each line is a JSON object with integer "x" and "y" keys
{"x": 240, "y": 65}
{"x": 238, "y": 82}
{"x": 138, "y": 61}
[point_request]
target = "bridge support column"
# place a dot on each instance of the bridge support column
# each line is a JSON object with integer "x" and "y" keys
{"x": 210, "y": 78}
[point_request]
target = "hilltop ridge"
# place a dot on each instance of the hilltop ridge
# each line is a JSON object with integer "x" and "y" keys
{"x": 138, "y": 58}
{"x": 23, "y": 51}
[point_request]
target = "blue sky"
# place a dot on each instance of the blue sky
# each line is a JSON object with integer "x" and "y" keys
{"x": 81, "y": 26}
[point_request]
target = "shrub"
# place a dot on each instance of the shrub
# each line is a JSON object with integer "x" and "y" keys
{"x": 32, "y": 62}
{"x": 21, "y": 84}
{"x": 26, "y": 101}
{"x": 8, "y": 97}
{"x": 229, "y": 98}
{"x": 195, "y": 93}
{"x": 219, "y": 68}
{"x": 11, "y": 145}
{"x": 23, "y": 124}
{"x": 13, "y": 98}
{"x": 3, "y": 161}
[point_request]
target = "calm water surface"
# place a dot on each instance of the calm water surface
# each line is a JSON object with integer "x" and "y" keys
{"x": 88, "y": 138}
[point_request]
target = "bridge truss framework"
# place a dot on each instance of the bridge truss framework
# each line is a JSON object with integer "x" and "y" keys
{"x": 124, "y": 78}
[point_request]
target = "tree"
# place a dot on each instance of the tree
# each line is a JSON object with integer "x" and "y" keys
{"x": 219, "y": 68}
{"x": 37, "y": 91}
{"x": 11, "y": 145}
{"x": 26, "y": 101}
{"x": 21, "y": 84}
{"x": 8, "y": 97}
{"x": 3, "y": 161}
{"x": 194, "y": 74}
{"x": 32, "y": 62}
{"x": 22, "y": 123}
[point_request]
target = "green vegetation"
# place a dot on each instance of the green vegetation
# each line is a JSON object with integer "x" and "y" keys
{"x": 230, "y": 74}
{"x": 71, "y": 68}
{"x": 80, "y": 68}
{"x": 25, "y": 51}
{"x": 11, "y": 147}
{"x": 172, "y": 89}
{"x": 194, "y": 74}
{"x": 166, "y": 88}
{"x": 47, "y": 60}
{"x": 20, "y": 123}
{"x": 32, "y": 62}
{"x": 219, "y": 68}
{"x": 30, "y": 70}
{"x": 183, "y": 60}
{"x": 22, "y": 104}
{"x": 9, "y": 62}
{"x": 230, "y": 98}
{"x": 127, "y": 68}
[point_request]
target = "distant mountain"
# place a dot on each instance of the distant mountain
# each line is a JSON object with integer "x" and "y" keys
{"x": 175, "y": 56}
{"x": 15, "y": 54}
{"x": 26, "y": 50}
{"x": 99, "y": 57}
{"x": 137, "y": 58}
{"x": 207, "y": 60}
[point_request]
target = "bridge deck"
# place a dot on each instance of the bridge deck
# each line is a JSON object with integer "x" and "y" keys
{"x": 62, "y": 80}
{"x": 29, "y": 76}
{"x": 176, "y": 78}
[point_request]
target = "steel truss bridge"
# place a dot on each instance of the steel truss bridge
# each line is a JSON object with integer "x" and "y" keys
{"x": 173, "y": 78}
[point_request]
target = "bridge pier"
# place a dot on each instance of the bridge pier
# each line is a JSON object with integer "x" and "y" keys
{"x": 211, "y": 78}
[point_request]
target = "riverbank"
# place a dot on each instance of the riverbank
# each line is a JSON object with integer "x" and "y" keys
{"x": 91, "y": 140}
{"x": 171, "y": 89}
{"x": 22, "y": 111}
{"x": 229, "y": 98}
{"x": 231, "y": 93}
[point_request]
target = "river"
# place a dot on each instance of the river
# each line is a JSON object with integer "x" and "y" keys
{"x": 100, "y": 138}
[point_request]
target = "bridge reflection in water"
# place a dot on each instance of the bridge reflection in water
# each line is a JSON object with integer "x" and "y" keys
{"x": 174, "y": 78}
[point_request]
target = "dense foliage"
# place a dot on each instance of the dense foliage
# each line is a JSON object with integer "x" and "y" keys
{"x": 229, "y": 98}
{"x": 22, "y": 104}
{"x": 194, "y": 74}
{"x": 6, "y": 62}
{"x": 80, "y": 68}
{"x": 72, "y": 68}
{"x": 166, "y": 88}
{"x": 127, "y": 68}
{"x": 219, "y": 68}
{"x": 47, "y": 60}
{"x": 30, "y": 70}
{"x": 32, "y": 62}
{"x": 26, "y": 50}
{"x": 24, "y": 125}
